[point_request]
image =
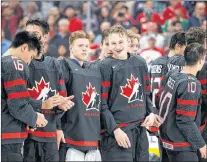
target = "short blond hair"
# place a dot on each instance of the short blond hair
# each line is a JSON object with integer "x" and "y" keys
{"x": 78, "y": 35}
{"x": 118, "y": 29}
{"x": 132, "y": 35}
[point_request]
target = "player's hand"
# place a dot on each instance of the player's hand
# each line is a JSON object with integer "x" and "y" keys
{"x": 52, "y": 102}
{"x": 60, "y": 138}
{"x": 68, "y": 104}
{"x": 122, "y": 138}
{"x": 203, "y": 152}
{"x": 41, "y": 121}
{"x": 149, "y": 120}
{"x": 157, "y": 121}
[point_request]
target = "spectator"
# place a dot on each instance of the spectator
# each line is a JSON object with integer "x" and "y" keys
{"x": 123, "y": 17}
{"x": 51, "y": 20}
{"x": 22, "y": 24}
{"x": 148, "y": 15}
{"x": 152, "y": 52}
{"x": 51, "y": 50}
{"x": 104, "y": 26}
{"x": 104, "y": 15}
{"x": 62, "y": 37}
{"x": 33, "y": 11}
{"x": 152, "y": 30}
{"x": 176, "y": 27}
{"x": 74, "y": 23}
{"x": 62, "y": 52}
{"x": 10, "y": 19}
{"x": 5, "y": 44}
{"x": 198, "y": 16}
{"x": 93, "y": 19}
{"x": 54, "y": 11}
{"x": 169, "y": 12}
{"x": 177, "y": 17}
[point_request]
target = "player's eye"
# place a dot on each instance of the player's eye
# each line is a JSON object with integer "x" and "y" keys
{"x": 120, "y": 42}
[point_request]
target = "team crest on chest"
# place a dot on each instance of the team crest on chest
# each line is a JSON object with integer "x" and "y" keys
{"x": 41, "y": 90}
{"x": 91, "y": 98}
{"x": 132, "y": 90}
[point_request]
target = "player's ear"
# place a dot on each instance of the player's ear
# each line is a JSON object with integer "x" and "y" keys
{"x": 24, "y": 47}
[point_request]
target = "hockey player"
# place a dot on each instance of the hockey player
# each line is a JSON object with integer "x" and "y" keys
{"x": 81, "y": 125}
{"x": 133, "y": 39}
{"x": 105, "y": 52}
{"x": 125, "y": 102}
{"x": 180, "y": 109}
{"x": 17, "y": 109}
{"x": 176, "y": 59}
{"x": 194, "y": 35}
{"x": 45, "y": 81}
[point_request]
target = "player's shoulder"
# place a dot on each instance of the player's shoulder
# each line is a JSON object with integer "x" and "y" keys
{"x": 160, "y": 60}
{"x": 138, "y": 59}
{"x": 52, "y": 62}
{"x": 177, "y": 59}
{"x": 12, "y": 64}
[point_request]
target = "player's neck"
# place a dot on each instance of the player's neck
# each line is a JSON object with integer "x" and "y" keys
{"x": 190, "y": 70}
{"x": 173, "y": 53}
{"x": 80, "y": 62}
{"x": 121, "y": 57}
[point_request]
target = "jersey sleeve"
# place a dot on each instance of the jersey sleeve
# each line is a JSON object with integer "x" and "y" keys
{"x": 15, "y": 84}
{"x": 108, "y": 120}
{"x": 36, "y": 104}
{"x": 188, "y": 95}
{"x": 65, "y": 70}
{"x": 61, "y": 82}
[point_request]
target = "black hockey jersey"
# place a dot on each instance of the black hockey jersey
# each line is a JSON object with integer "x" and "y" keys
{"x": 81, "y": 124}
{"x": 17, "y": 108}
{"x": 157, "y": 72}
{"x": 181, "y": 111}
{"x": 46, "y": 80}
{"x": 125, "y": 87}
{"x": 175, "y": 62}
{"x": 202, "y": 77}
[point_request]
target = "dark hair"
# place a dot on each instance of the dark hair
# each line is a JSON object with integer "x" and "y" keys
{"x": 30, "y": 39}
{"x": 195, "y": 35}
{"x": 194, "y": 52}
{"x": 177, "y": 38}
{"x": 105, "y": 34}
{"x": 40, "y": 23}
{"x": 176, "y": 22}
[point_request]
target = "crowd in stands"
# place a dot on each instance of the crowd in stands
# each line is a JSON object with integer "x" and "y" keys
{"x": 154, "y": 21}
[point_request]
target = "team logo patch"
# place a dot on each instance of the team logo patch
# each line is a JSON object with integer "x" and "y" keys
{"x": 132, "y": 90}
{"x": 91, "y": 98}
{"x": 41, "y": 90}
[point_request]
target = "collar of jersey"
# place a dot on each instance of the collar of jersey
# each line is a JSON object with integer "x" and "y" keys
{"x": 41, "y": 59}
{"x": 76, "y": 62}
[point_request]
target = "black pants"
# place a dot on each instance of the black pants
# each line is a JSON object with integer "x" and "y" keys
{"x": 204, "y": 135}
{"x": 62, "y": 152}
{"x": 182, "y": 156}
{"x": 11, "y": 152}
{"x": 111, "y": 151}
{"x": 40, "y": 151}
{"x": 163, "y": 153}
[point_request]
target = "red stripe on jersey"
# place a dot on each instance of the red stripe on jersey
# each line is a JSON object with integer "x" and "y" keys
{"x": 186, "y": 113}
{"x": 105, "y": 95}
{"x": 126, "y": 124}
{"x": 43, "y": 134}
{"x": 14, "y": 135}
{"x": 187, "y": 102}
{"x": 153, "y": 129}
{"x": 61, "y": 82}
{"x": 62, "y": 93}
{"x": 82, "y": 143}
{"x": 147, "y": 77}
{"x": 14, "y": 83}
{"x": 162, "y": 78}
{"x": 18, "y": 95}
{"x": 106, "y": 84}
{"x": 203, "y": 81}
{"x": 147, "y": 88}
{"x": 176, "y": 144}
{"x": 204, "y": 91}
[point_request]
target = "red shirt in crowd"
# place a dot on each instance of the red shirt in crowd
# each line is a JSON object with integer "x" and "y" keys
{"x": 168, "y": 13}
{"x": 75, "y": 25}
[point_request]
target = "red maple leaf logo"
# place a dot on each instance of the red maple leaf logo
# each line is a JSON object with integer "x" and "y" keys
{"x": 41, "y": 90}
{"x": 86, "y": 97}
{"x": 131, "y": 90}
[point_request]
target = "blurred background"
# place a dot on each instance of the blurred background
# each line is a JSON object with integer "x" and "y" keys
{"x": 155, "y": 21}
